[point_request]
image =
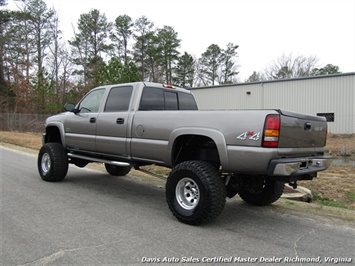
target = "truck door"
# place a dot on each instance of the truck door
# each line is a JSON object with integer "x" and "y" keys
{"x": 80, "y": 127}
{"x": 114, "y": 123}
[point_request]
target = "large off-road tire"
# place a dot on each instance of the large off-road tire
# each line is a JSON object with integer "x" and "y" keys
{"x": 261, "y": 191}
{"x": 52, "y": 162}
{"x": 117, "y": 170}
{"x": 195, "y": 192}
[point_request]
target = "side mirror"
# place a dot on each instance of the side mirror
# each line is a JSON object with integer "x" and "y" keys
{"x": 69, "y": 107}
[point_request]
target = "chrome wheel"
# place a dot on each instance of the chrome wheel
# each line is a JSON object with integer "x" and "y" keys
{"x": 195, "y": 192}
{"x": 45, "y": 163}
{"x": 187, "y": 193}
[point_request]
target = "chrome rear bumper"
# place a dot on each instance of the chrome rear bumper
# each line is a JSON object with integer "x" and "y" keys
{"x": 299, "y": 166}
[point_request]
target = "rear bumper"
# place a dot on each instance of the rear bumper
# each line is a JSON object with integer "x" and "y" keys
{"x": 269, "y": 162}
{"x": 294, "y": 167}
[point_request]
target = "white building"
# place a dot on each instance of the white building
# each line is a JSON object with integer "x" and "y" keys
{"x": 332, "y": 96}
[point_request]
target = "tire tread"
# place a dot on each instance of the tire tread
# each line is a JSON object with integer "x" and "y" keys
{"x": 215, "y": 197}
{"x": 59, "y": 162}
{"x": 271, "y": 193}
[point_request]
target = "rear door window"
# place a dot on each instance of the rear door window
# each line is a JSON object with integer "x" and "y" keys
{"x": 171, "y": 100}
{"x": 118, "y": 99}
{"x": 152, "y": 99}
{"x": 159, "y": 99}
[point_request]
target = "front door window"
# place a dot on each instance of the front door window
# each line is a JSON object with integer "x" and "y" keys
{"x": 92, "y": 101}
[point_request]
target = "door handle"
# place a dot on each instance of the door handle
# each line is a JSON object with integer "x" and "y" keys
{"x": 92, "y": 120}
{"x": 120, "y": 121}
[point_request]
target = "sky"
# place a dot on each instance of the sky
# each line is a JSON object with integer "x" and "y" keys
{"x": 263, "y": 29}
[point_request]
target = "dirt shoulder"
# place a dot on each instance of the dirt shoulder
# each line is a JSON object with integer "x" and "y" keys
{"x": 333, "y": 190}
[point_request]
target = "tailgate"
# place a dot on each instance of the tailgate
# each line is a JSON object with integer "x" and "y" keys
{"x": 302, "y": 131}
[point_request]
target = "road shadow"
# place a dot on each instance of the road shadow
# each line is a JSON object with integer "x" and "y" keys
{"x": 151, "y": 195}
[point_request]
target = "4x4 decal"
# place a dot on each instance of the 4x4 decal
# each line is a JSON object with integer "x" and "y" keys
{"x": 249, "y": 135}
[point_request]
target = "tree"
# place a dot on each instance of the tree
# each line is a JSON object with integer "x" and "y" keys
{"x": 18, "y": 49}
{"x": 121, "y": 35}
{"x": 329, "y": 69}
{"x": 185, "y": 71}
{"x": 4, "y": 18}
{"x": 228, "y": 67}
{"x": 288, "y": 66}
{"x": 40, "y": 26}
{"x": 143, "y": 32}
{"x": 115, "y": 72}
{"x": 210, "y": 62}
{"x": 255, "y": 77}
{"x": 218, "y": 65}
{"x": 45, "y": 100}
{"x": 40, "y": 19}
{"x": 199, "y": 79}
{"x": 89, "y": 44}
{"x": 55, "y": 50}
{"x": 153, "y": 58}
{"x": 24, "y": 45}
{"x": 168, "y": 42}
{"x": 5, "y": 93}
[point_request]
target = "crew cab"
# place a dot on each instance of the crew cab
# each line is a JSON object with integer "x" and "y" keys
{"x": 212, "y": 154}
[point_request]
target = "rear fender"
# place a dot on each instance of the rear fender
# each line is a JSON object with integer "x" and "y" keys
{"x": 213, "y": 134}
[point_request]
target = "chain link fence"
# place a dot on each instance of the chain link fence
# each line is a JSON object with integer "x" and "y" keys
{"x": 22, "y": 122}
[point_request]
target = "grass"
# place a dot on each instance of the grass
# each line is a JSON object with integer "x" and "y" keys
{"x": 341, "y": 144}
{"x": 351, "y": 195}
{"x": 27, "y": 140}
{"x": 328, "y": 202}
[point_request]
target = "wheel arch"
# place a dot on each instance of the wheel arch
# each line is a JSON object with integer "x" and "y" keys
{"x": 210, "y": 140}
{"x": 54, "y": 133}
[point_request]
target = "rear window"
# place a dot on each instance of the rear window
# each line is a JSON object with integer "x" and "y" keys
{"x": 159, "y": 99}
{"x": 187, "y": 101}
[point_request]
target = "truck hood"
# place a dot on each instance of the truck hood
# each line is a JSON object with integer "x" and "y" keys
{"x": 57, "y": 117}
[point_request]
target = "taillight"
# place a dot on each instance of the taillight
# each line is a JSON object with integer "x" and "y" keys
{"x": 271, "y": 131}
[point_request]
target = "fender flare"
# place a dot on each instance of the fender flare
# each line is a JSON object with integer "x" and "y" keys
{"x": 213, "y": 134}
{"x": 60, "y": 127}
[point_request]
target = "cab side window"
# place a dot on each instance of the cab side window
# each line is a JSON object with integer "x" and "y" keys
{"x": 159, "y": 99}
{"x": 171, "y": 100}
{"x": 91, "y": 102}
{"x": 152, "y": 99}
{"x": 187, "y": 102}
{"x": 119, "y": 99}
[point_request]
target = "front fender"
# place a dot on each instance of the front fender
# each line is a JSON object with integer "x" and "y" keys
{"x": 50, "y": 127}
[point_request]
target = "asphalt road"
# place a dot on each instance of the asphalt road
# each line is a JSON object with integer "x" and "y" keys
{"x": 92, "y": 218}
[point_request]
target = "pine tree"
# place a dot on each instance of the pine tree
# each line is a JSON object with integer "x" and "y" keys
{"x": 185, "y": 71}
{"x": 122, "y": 32}
{"x": 210, "y": 63}
{"x": 89, "y": 45}
{"x": 169, "y": 43}
{"x": 40, "y": 26}
{"x": 228, "y": 67}
{"x": 143, "y": 32}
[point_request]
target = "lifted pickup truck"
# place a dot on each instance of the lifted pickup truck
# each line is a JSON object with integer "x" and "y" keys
{"x": 212, "y": 154}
